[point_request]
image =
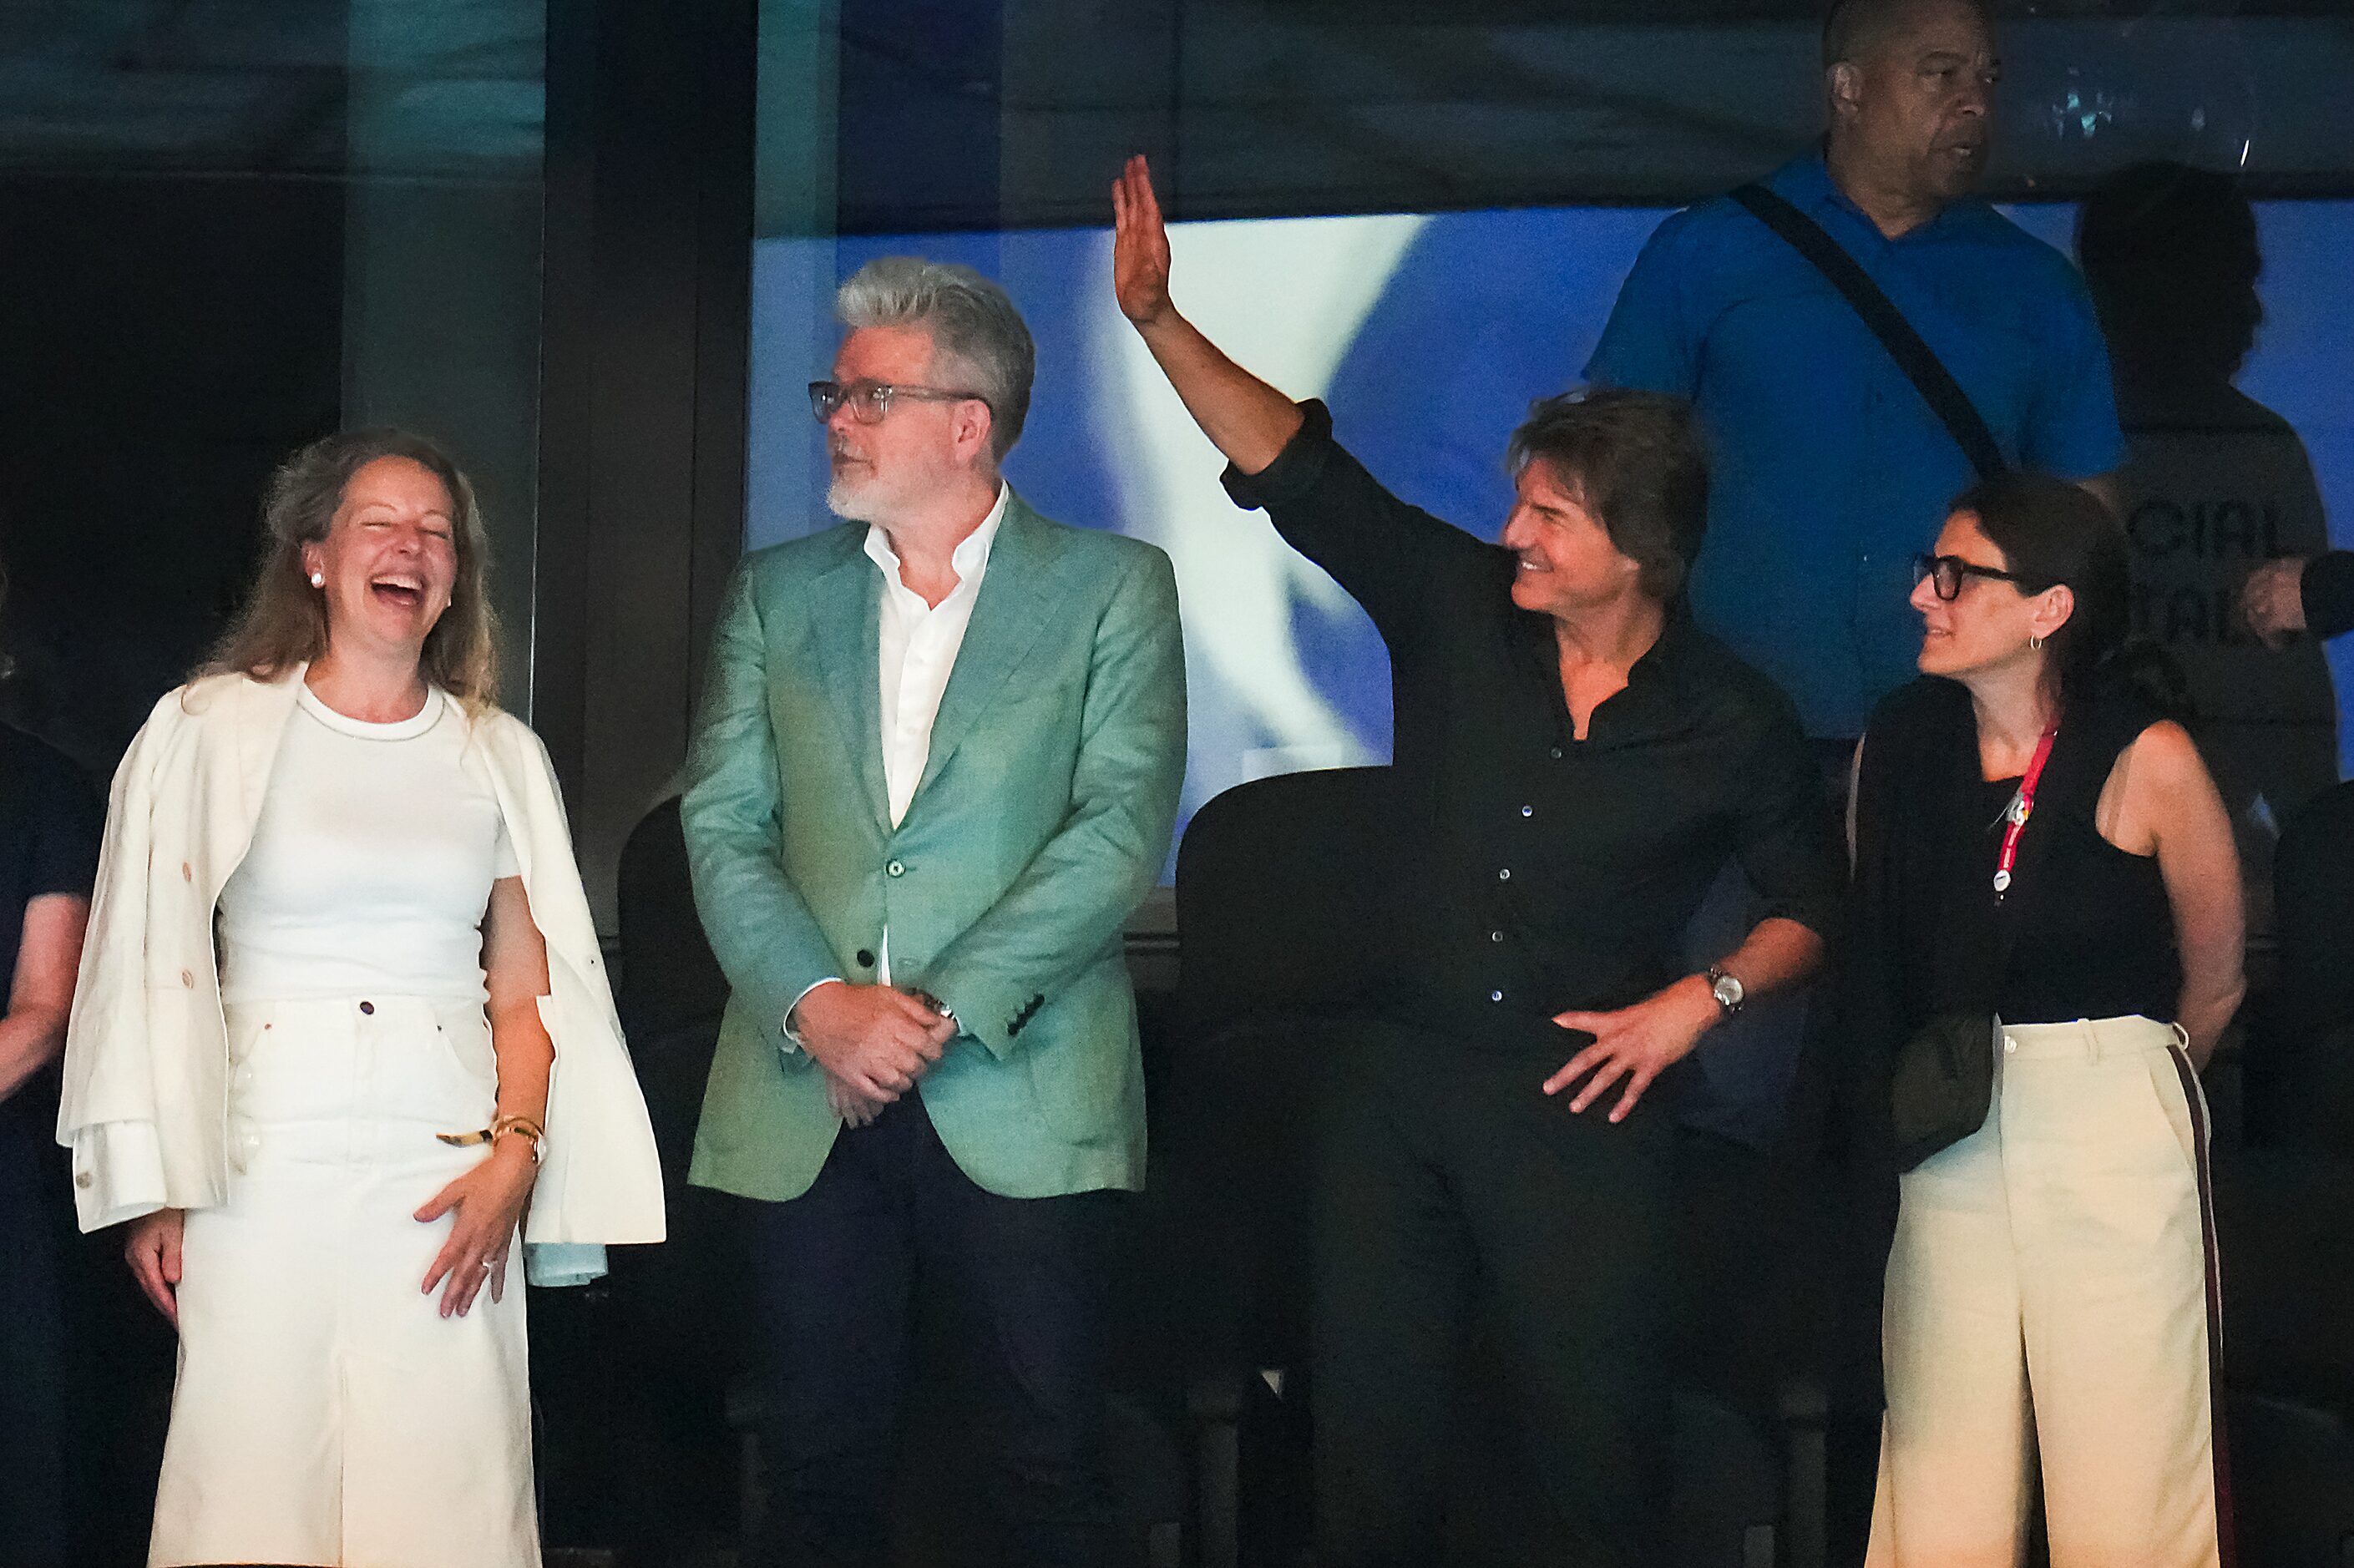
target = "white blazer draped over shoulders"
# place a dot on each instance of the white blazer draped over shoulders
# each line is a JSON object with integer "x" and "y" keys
{"x": 145, "y": 1107}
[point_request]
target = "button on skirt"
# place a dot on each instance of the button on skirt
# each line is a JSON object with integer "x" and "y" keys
{"x": 325, "y": 1411}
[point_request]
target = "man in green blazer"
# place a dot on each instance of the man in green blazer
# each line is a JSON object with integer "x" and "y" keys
{"x": 938, "y": 765}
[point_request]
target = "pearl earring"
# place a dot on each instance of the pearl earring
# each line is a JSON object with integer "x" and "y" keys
{"x": 318, "y": 579}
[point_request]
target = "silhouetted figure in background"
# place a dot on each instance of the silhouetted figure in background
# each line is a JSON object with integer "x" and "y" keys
{"x": 2214, "y": 483}
{"x": 49, "y": 822}
{"x": 680, "y": 1307}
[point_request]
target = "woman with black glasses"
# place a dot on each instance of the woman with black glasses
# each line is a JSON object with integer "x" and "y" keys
{"x": 2048, "y": 946}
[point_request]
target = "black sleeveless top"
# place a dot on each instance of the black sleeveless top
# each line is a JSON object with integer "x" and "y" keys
{"x": 2099, "y": 942}
{"x": 2089, "y": 931}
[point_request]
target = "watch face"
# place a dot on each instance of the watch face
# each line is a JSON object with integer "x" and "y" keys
{"x": 1728, "y": 991}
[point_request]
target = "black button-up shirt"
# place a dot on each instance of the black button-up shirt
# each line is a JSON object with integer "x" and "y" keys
{"x": 1537, "y": 871}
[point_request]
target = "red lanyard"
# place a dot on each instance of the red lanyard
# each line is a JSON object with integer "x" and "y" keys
{"x": 2022, "y": 806}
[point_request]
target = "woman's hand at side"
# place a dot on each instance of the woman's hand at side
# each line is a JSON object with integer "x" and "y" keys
{"x": 151, "y": 1246}
{"x": 488, "y": 1201}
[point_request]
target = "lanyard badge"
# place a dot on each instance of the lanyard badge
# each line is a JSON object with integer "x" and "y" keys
{"x": 2015, "y": 815}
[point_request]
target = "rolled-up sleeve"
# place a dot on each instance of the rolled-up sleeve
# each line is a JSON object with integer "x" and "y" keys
{"x": 1385, "y": 553}
{"x": 1786, "y": 839}
{"x": 118, "y": 1173}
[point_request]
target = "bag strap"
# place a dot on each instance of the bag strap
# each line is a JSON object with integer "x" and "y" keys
{"x": 1911, "y": 353}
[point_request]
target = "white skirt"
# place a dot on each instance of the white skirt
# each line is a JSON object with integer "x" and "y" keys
{"x": 326, "y": 1412}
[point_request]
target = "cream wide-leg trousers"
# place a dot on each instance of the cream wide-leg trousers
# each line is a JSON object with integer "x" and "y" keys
{"x": 2052, "y": 1299}
{"x": 326, "y": 1413}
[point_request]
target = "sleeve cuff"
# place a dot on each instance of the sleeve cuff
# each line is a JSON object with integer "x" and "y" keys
{"x": 556, "y": 1264}
{"x": 2326, "y": 587}
{"x": 793, "y": 1043}
{"x": 118, "y": 1173}
{"x": 1296, "y": 469}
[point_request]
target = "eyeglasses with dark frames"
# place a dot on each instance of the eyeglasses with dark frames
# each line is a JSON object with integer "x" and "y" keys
{"x": 1947, "y": 572}
{"x": 870, "y": 401}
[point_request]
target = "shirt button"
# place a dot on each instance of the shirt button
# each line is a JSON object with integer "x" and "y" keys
{"x": 368, "y": 1007}
{"x": 1556, "y": 754}
{"x": 1528, "y": 810}
{"x": 188, "y": 979}
{"x": 1495, "y": 996}
{"x": 895, "y": 868}
{"x": 1495, "y": 936}
{"x": 81, "y": 1178}
{"x": 2009, "y": 1044}
{"x": 188, "y": 873}
{"x": 1505, "y": 874}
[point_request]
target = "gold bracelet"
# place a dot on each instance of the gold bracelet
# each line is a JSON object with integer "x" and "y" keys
{"x": 522, "y": 1127}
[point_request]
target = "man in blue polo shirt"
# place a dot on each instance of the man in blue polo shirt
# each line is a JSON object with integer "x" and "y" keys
{"x": 1831, "y": 470}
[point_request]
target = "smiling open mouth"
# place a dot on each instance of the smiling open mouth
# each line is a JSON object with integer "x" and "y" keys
{"x": 407, "y": 592}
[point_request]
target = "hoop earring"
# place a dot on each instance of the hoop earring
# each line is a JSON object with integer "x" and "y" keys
{"x": 318, "y": 579}
{"x": 2034, "y": 639}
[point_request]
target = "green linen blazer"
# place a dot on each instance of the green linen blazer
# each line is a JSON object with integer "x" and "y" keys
{"x": 1043, "y": 818}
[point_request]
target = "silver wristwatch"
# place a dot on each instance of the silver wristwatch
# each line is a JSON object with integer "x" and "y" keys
{"x": 1728, "y": 991}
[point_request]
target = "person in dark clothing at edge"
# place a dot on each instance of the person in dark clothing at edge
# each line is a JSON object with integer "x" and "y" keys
{"x": 2314, "y": 594}
{"x": 1575, "y": 762}
{"x": 49, "y": 824}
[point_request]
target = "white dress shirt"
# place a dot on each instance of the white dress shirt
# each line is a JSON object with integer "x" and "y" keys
{"x": 919, "y": 643}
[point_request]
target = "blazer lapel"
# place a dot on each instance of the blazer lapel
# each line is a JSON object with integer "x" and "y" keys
{"x": 845, "y": 616}
{"x": 1017, "y": 596}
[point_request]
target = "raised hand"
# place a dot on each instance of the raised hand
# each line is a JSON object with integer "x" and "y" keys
{"x": 1139, "y": 246}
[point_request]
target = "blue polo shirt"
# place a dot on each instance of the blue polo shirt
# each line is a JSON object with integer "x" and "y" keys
{"x": 1830, "y": 471}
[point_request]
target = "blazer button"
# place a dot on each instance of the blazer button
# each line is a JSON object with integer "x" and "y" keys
{"x": 896, "y": 868}
{"x": 865, "y": 957}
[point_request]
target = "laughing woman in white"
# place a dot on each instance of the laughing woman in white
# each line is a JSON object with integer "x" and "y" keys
{"x": 326, "y": 1130}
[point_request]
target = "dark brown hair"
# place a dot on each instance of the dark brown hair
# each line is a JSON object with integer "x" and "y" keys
{"x": 1635, "y": 461}
{"x": 2052, "y": 532}
{"x": 284, "y": 621}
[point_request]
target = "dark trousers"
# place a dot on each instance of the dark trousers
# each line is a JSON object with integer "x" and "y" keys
{"x": 1444, "y": 1176}
{"x": 836, "y": 1274}
{"x": 32, "y": 1351}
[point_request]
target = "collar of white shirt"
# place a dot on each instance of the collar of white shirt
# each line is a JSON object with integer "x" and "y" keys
{"x": 970, "y": 559}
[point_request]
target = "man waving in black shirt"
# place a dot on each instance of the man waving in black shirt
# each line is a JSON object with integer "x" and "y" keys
{"x": 1575, "y": 763}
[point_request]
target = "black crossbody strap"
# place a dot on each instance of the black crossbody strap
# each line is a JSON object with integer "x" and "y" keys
{"x": 1904, "y": 346}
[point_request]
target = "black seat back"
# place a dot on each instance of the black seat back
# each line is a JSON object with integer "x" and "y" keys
{"x": 1280, "y": 890}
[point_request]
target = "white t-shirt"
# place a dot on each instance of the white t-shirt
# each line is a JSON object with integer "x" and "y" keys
{"x": 371, "y": 865}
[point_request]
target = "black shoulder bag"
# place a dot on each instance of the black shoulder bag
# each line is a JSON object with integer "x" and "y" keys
{"x": 1911, "y": 353}
{"x": 1940, "y": 1083}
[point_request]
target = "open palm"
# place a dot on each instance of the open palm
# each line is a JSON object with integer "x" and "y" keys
{"x": 1140, "y": 245}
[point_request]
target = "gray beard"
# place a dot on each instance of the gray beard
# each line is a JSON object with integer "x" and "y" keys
{"x": 850, "y": 505}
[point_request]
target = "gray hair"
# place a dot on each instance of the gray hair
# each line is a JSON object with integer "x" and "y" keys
{"x": 971, "y": 320}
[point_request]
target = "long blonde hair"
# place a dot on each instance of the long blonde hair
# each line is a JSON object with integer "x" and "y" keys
{"x": 284, "y": 621}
